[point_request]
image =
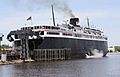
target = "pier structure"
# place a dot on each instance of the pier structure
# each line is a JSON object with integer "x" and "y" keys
{"x": 37, "y": 54}
{"x": 52, "y": 54}
{"x": 24, "y": 37}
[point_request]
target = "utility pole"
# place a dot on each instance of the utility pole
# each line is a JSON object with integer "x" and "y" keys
{"x": 1, "y": 36}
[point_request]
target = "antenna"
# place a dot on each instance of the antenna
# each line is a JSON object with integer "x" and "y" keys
{"x": 53, "y": 15}
{"x": 88, "y": 23}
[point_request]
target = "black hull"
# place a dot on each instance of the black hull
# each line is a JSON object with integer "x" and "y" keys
{"x": 79, "y": 47}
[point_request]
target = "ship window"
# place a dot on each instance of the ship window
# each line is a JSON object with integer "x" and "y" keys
{"x": 78, "y": 35}
{"x": 42, "y": 33}
{"x": 37, "y": 27}
{"x": 47, "y": 27}
{"x": 66, "y": 34}
{"x": 31, "y": 27}
{"x": 28, "y": 28}
{"x": 53, "y": 33}
{"x": 17, "y": 43}
{"x": 25, "y": 28}
{"x": 86, "y": 36}
{"x": 21, "y": 28}
{"x": 40, "y": 27}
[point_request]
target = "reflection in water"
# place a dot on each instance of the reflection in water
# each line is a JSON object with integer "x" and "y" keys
{"x": 101, "y": 67}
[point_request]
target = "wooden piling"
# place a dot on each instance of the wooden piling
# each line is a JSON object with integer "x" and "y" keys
{"x": 51, "y": 54}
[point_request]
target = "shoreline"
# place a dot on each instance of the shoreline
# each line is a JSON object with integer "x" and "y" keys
{"x": 11, "y": 62}
{"x": 114, "y": 53}
{"x": 15, "y": 62}
{"x": 30, "y": 60}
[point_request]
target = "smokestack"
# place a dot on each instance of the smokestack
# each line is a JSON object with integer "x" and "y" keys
{"x": 74, "y": 22}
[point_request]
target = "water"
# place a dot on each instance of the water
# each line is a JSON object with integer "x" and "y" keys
{"x": 100, "y": 67}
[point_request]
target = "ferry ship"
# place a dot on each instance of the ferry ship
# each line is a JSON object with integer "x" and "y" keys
{"x": 65, "y": 41}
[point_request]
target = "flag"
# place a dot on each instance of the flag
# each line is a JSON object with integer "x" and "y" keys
{"x": 29, "y": 18}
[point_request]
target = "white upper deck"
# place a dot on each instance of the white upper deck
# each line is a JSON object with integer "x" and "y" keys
{"x": 68, "y": 31}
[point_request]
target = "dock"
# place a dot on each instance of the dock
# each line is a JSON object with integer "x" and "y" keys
{"x": 52, "y": 54}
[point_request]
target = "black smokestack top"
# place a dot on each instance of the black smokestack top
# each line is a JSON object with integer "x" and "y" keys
{"x": 74, "y": 21}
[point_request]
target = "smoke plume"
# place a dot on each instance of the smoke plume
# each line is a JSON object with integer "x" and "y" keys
{"x": 60, "y": 6}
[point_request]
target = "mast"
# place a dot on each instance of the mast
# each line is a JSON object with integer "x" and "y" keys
{"x": 53, "y": 17}
{"x": 88, "y": 23}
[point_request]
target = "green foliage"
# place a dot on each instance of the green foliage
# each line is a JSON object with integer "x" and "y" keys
{"x": 117, "y": 48}
{"x": 5, "y": 46}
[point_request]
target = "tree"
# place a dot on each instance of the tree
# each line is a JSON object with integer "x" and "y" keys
{"x": 117, "y": 48}
{"x": 4, "y": 46}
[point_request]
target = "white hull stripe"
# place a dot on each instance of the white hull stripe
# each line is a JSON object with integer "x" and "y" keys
{"x": 58, "y": 36}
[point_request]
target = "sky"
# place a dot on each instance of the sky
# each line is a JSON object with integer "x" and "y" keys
{"x": 103, "y": 14}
